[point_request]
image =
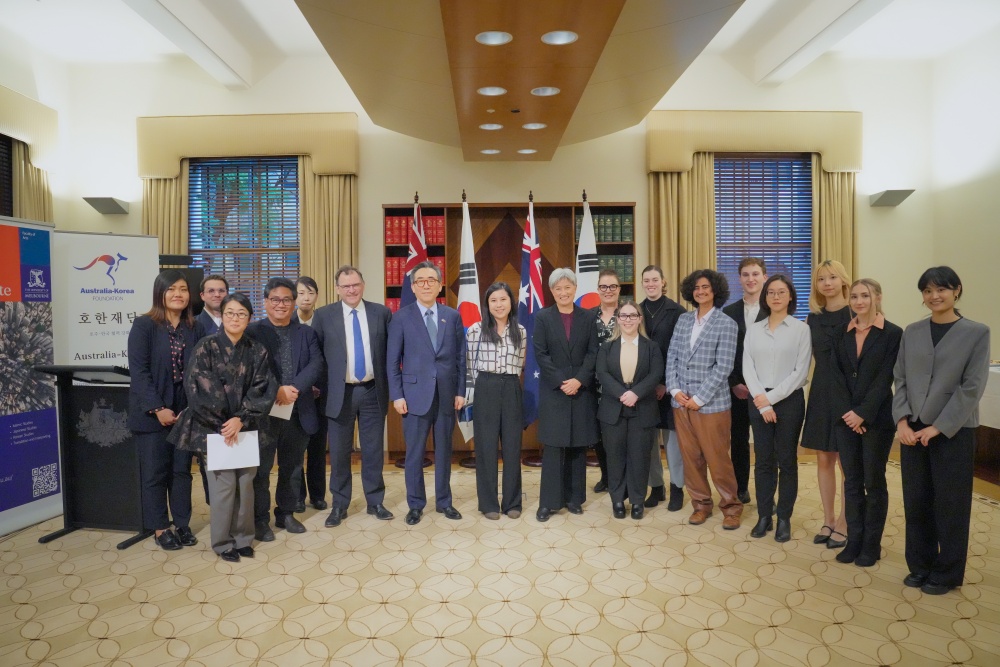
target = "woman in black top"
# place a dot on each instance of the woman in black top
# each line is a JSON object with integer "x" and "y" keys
{"x": 159, "y": 347}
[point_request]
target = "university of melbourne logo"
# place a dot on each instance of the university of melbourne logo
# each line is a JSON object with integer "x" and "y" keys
{"x": 113, "y": 263}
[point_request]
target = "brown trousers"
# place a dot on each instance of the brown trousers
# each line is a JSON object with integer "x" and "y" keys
{"x": 704, "y": 440}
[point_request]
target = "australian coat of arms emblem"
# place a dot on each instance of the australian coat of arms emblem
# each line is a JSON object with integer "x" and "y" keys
{"x": 103, "y": 426}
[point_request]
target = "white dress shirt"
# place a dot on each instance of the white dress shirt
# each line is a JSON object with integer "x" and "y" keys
{"x": 699, "y": 325}
{"x": 750, "y": 312}
{"x": 349, "y": 337}
{"x": 776, "y": 360}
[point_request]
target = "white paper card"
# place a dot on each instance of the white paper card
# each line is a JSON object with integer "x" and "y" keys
{"x": 244, "y": 454}
{"x": 281, "y": 411}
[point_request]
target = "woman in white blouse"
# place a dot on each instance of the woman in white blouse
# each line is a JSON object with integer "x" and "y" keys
{"x": 776, "y": 356}
{"x": 495, "y": 350}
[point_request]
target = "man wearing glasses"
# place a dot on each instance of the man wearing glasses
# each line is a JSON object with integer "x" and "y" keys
{"x": 352, "y": 334}
{"x": 426, "y": 364}
{"x": 297, "y": 364}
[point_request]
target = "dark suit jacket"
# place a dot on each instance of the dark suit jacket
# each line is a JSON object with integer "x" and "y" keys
{"x": 735, "y": 311}
{"x": 648, "y": 374}
{"x": 864, "y": 384}
{"x": 566, "y": 421}
{"x": 150, "y": 370}
{"x": 207, "y": 323}
{"x": 328, "y": 323}
{"x": 306, "y": 359}
{"x": 661, "y": 330}
{"x": 416, "y": 371}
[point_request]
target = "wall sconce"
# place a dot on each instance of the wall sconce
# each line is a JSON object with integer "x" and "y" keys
{"x": 889, "y": 197}
{"x": 108, "y": 205}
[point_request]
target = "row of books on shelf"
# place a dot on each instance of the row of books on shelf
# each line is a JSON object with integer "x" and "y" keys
{"x": 397, "y": 229}
{"x": 623, "y": 265}
{"x": 395, "y": 268}
{"x": 393, "y": 303}
{"x": 610, "y": 227}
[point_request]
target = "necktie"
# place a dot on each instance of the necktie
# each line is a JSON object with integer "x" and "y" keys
{"x": 432, "y": 327}
{"x": 359, "y": 348}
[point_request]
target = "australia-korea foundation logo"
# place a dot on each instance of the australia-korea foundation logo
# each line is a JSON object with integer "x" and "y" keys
{"x": 111, "y": 262}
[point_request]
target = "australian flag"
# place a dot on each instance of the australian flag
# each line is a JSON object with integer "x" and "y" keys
{"x": 418, "y": 253}
{"x": 530, "y": 301}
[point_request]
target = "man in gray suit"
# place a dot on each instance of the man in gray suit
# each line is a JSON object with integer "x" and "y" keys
{"x": 352, "y": 334}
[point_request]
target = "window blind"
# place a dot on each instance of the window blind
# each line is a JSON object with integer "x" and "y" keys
{"x": 6, "y": 176}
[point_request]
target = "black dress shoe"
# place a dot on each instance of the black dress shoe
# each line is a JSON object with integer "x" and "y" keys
{"x": 864, "y": 560}
{"x": 230, "y": 555}
{"x": 637, "y": 512}
{"x": 820, "y": 538}
{"x": 618, "y": 509}
{"x": 676, "y": 498}
{"x": 380, "y": 512}
{"x": 413, "y": 517}
{"x": 743, "y": 496}
{"x": 289, "y": 523}
{"x": 601, "y": 486}
{"x": 574, "y": 508}
{"x": 914, "y": 580}
{"x": 319, "y": 505}
{"x": 186, "y": 537}
{"x": 450, "y": 513}
{"x": 848, "y": 555}
{"x": 656, "y": 494}
{"x": 337, "y": 515}
{"x": 300, "y": 506}
{"x": 764, "y": 524}
{"x": 783, "y": 532}
{"x": 834, "y": 543}
{"x": 930, "y": 588}
{"x": 263, "y": 533}
{"x": 168, "y": 541}
{"x": 245, "y": 552}
{"x": 543, "y": 514}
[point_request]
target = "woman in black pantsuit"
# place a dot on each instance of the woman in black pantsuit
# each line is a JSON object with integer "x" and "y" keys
{"x": 159, "y": 346}
{"x": 863, "y": 395}
{"x": 629, "y": 368}
{"x": 495, "y": 351}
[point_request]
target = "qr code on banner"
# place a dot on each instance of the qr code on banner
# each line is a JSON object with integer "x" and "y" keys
{"x": 44, "y": 480}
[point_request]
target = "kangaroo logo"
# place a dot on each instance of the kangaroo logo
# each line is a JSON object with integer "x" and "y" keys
{"x": 113, "y": 264}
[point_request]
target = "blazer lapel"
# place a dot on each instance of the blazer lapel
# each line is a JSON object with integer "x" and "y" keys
{"x": 709, "y": 326}
{"x": 442, "y": 325}
{"x": 615, "y": 360}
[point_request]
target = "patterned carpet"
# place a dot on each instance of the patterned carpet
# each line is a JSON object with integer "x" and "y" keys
{"x": 578, "y": 590}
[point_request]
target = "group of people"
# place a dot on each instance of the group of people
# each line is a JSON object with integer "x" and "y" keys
{"x": 623, "y": 378}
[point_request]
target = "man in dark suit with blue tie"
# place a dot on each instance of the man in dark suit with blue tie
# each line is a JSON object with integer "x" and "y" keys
{"x": 352, "y": 334}
{"x": 214, "y": 289}
{"x": 426, "y": 365}
{"x": 298, "y": 365}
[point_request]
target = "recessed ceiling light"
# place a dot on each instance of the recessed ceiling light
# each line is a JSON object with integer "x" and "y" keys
{"x": 559, "y": 37}
{"x": 527, "y": 151}
{"x": 489, "y": 151}
{"x": 493, "y": 37}
{"x": 534, "y": 126}
{"x": 492, "y": 91}
{"x": 491, "y": 126}
{"x": 544, "y": 91}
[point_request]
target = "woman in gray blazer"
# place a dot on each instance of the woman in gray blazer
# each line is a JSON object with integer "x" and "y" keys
{"x": 940, "y": 376}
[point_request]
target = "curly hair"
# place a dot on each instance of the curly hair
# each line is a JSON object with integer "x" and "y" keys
{"x": 720, "y": 286}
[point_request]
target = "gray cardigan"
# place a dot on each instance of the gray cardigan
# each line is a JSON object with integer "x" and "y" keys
{"x": 942, "y": 385}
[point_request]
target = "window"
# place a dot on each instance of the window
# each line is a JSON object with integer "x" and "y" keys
{"x": 763, "y": 208}
{"x": 243, "y": 221}
{"x": 6, "y": 176}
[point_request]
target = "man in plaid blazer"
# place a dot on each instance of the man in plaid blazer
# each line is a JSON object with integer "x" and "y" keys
{"x": 699, "y": 361}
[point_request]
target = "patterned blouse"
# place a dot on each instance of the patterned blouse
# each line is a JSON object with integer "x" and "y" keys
{"x": 485, "y": 356}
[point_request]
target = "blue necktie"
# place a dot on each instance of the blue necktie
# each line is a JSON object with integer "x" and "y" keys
{"x": 432, "y": 327}
{"x": 359, "y": 349}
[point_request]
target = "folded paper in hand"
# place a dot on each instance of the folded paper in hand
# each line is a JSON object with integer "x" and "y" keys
{"x": 244, "y": 454}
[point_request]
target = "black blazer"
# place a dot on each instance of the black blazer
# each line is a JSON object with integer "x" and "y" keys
{"x": 328, "y": 322}
{"x": 306, "y": 359}
{"x": 648, "y": 373}
{"x": 864, "y": 384}
{"x": 207, "y": 323}
{"x": 661, "y": 330}
{"x": 150, "y": 370}
{"x": 735, "y": 311}
{"x": 566, "y": 421}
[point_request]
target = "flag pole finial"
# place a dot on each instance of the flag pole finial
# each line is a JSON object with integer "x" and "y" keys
{"x": 584, "y": 195}
{"x": 531, "y": 197}
{"x": 463, "y": 195}
{"x": 416, "y": 197}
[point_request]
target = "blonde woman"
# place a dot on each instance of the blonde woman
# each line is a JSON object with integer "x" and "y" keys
{"x": 829, "y": 315}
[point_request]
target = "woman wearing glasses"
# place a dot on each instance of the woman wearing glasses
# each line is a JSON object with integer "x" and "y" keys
{"x": 609, "y": 289}
{"x": 228, "y": 385}
{"x": 629, "y": 368}
{"x": 776, "y": 357}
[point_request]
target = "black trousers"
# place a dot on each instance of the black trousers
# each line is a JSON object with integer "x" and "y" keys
{"x": 602, "y": 457}
{"x": 497, "y": 421}
{"x": 360, "y": 407}
{"x": 775, "y": 446}
{"x": 165, "y": 476}
{"x": 937, "y": 501}
{"x": 739, "y": 440}
{"x": 564, "y": 477}
{"x": 286, "y": 438}
{"x": 314, "y": 470}
{"x": 863, "y": 459}
{"x": 628, "y": 446}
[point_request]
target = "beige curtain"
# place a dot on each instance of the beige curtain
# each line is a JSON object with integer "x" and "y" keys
{"x": 32, "y": 197}
{"x": 682, "y": 220}
{"x": 834, "y": 216}
{"x": 165, "y": 211}
{"x": 328, "y": 225}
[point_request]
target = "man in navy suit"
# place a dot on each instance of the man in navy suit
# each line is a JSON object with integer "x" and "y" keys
{"x": 297, "y": 364}
{"x": 352, "y": 334}
{"x": 426, "y": 366}
{"x": 214, "y": 289}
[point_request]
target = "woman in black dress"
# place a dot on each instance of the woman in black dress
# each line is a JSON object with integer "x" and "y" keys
{"x": 828, "y": 316}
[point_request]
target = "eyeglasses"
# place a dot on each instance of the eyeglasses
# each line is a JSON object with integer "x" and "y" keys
{"x": 776, "y": 293}
{"x": 628, "y": 317}
{"x": 608, "y": 288}
{"x": 278, "y": 301}
{"x": 352, "y": 286}
{"x": 426, "y": 282}
{"x": 235, "y": 315}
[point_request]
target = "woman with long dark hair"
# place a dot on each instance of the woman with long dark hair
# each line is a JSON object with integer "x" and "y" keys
{"x": 159, "y": 347}
{"x": 941, "y": 374}
{"x": 495, "y": 350}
